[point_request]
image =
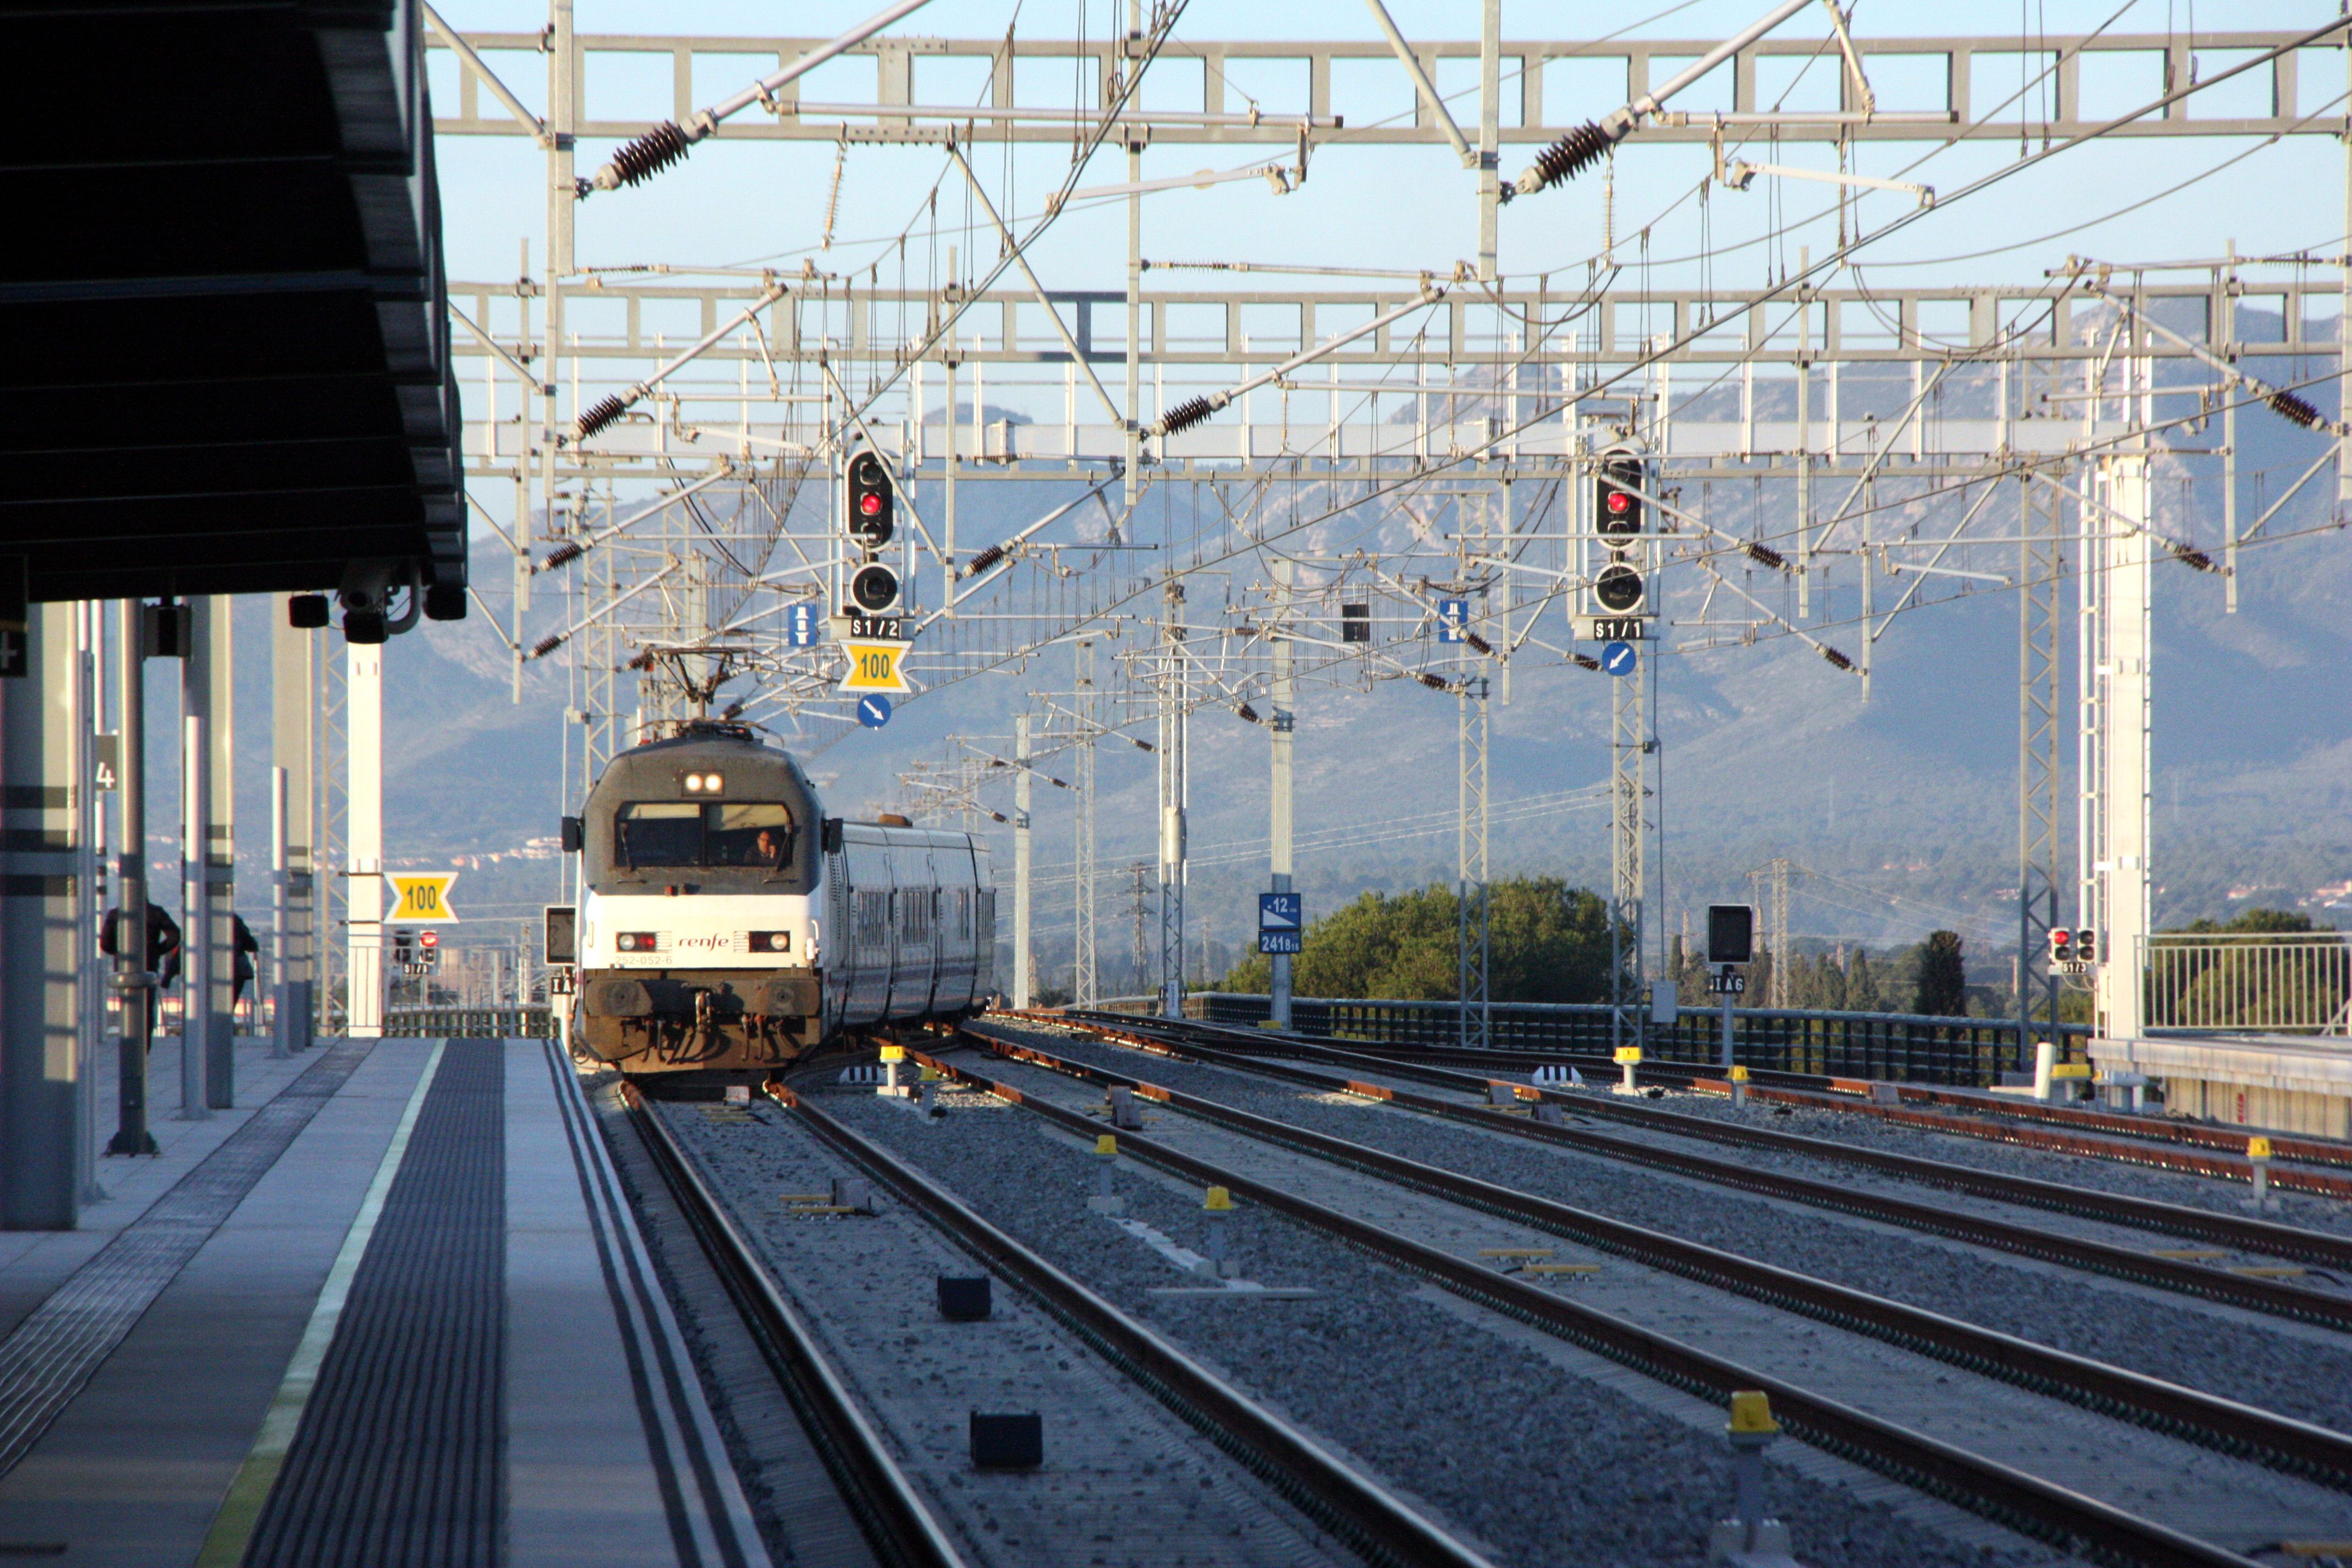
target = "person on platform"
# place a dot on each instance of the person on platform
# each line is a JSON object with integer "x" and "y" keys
{"x": 245, "y": 954}
{"x": 163, "y": 952}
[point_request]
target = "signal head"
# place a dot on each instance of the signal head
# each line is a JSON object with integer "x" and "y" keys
{"x": 872, "y": 501}
{"x": 1619, "y": 589}
{"x": 874, "y": 588}
{"x": 1618, "y": 510}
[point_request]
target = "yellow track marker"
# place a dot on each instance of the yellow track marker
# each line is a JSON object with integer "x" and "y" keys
{"x": 2191, "y": 1254}
{"x": 2268, "y": 1271}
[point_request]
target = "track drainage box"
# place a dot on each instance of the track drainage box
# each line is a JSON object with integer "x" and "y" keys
{"x": 964, "y": 1300}
{"x": 1009, "y": 1442}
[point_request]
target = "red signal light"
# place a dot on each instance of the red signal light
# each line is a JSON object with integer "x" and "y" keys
{"x": 870, "y": 503}
{"x": 428, "y": 939}
{"x": 1619, "y": 502}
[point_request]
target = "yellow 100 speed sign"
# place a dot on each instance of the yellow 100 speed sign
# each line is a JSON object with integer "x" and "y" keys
{"x": 876, "y": 666}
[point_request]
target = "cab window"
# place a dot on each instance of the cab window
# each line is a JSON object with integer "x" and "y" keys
{"x": 748, "y": 833}
{"x": 659, "y": 833}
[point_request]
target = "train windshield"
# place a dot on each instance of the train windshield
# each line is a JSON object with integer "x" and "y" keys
{"x": 653, "y": 833}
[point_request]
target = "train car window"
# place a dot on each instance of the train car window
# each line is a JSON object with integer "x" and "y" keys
{"x": 748, "y": 833}
{"x": 658, "y": 833}
{"x": 653, "y": 833}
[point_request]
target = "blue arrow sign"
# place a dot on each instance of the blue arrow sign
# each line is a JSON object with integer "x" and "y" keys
{"x": 1453, "y": 617}
{"x": 1279, "y": 911}
{"x": 873, "y": 711}
{"x": 1617, "y": 659}
{"x": 801, "y": 624}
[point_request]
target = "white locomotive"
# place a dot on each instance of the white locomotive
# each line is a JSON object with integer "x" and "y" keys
{"x": 727, "y": 922}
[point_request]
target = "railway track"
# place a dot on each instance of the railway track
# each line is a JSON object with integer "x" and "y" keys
{"x": 2238, "y": 1233}
{"x": 1987, "y": 1486}
{"x": 903, "y": 1530}
{"x": 2299, "y": 1164}
{"x": 897, "y": 1524}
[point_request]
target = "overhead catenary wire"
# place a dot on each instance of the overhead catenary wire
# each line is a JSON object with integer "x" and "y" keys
{"x": 667, "y": 142}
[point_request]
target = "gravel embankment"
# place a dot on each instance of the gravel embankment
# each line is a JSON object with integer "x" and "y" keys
{"x": 1545, "y": 1465}
{"x": 2284, "y": 1367}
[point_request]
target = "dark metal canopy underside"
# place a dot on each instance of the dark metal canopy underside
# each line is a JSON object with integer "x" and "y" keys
{"x": 225, "y": 358}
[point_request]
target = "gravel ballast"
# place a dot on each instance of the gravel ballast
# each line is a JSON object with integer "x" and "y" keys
{"x": 1125, "y": 1483}
{"x": 2289, "y": 1368}
{"x": 1545, "y": 1465}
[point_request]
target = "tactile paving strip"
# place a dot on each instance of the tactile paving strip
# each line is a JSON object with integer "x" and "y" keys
{"x": 398, "y": 1460}
{"x": 48, "y": 1357}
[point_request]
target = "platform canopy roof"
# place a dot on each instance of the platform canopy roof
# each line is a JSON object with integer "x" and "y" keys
{"x": 226, "y": 362}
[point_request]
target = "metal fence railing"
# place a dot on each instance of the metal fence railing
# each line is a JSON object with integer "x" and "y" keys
{"x": 1913, "y": 1047}
{"x": 2266, "y": 983}
{"x": 472, "y": 1022}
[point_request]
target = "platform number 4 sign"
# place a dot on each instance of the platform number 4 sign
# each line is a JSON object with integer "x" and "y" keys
{"x": 106, "y": 761}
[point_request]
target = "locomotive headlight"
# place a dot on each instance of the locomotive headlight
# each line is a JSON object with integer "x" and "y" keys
{"x": 703, "y": 783}
{"x": 694, "y": 783}
{"x": 635, "y": 942}
{"x": 771, "y": 942}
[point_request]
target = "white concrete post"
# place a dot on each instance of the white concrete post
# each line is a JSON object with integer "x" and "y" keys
{"x": 218, "y": 860}
{"x": 293, "y": 702}
{"x": 42, "y": 944}
{"x": 196, "y": 951}
{"x": 2116, "y": 595}
{"x": 1021, "y": 957}
{"x": 281, "y": 1029}
{"x": 1282, "y": 723}
{"x": 363, "y": 836}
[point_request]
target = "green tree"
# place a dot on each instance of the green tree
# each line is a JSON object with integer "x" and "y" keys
{"x": 1827, "y": 985}
{"x": 1862, "y": 992}
{"x": 2255, "y": 922}
{"x": 1545, "y": 942}
{"x": 1943, "y": 983}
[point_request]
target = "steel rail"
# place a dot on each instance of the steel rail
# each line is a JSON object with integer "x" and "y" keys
{"x": 894, "y": 1520}
{"x": 2024, "y": 1503}
{"x": 2213, "y": 1422}
{"x": 1830, "y": 1091}
{"x": 1355, "y": 1508}
{"x": 2264, "y": 1237}
{"x": 2251, "y": 1292}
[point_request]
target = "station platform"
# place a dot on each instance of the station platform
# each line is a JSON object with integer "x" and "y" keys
{"x": 397, "y": 1312}
{"x": 2282, "y": 1083}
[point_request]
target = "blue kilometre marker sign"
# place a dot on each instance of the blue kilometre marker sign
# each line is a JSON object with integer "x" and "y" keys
{"x": 1617, "y": 659}
{"x": 1281, "y": 918}
{"x": 873, "y": 711}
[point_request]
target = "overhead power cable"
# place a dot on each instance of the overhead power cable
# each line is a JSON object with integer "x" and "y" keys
{"x": 1192, "y": 410}
{"x": 606, "y": 410}
{"x": 2288, "y": 406}
{"x": 565, "y": 554}
{"x": 667, "y": 142}
{"x": 1577, "y": 151}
